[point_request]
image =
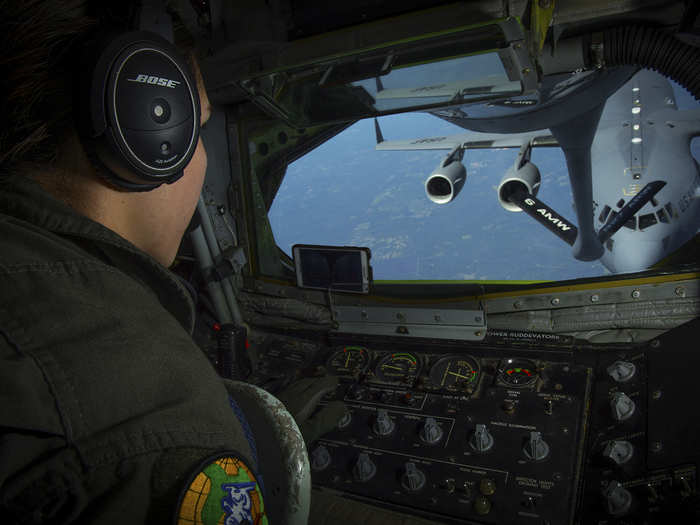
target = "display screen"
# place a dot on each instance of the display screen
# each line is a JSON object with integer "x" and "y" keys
{"x": 328, "y": 268}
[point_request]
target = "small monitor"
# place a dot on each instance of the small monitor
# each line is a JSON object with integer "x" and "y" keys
{"x": 336, "y": 268}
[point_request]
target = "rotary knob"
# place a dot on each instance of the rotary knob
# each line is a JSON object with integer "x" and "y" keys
{"x": 482, "y": 505}
{"x": 383, "y": 424}
{"x": 431, "y": 432}
{"x": 619, "y": 451}
{"x": 621, "y": 371}
{"x": 320, "y": 458}
{"x": 345, "y": 420}
{"x": 357, "y": 392}
{"x": 383, "y": 397}
{"x": 481, "y": 439}
{"x": 487, "y": 486}
{"x": 364, "y": 468}
{"x": 536, "y": 448}
{"x": 618, "y": 498}
{"x": 622, "y": 406}
{"x": 412, "y": 479}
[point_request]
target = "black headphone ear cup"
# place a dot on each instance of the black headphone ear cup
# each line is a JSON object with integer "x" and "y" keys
{"x": 143, "y": 111}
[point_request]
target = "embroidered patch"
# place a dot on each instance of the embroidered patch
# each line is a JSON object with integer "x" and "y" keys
{"x": 223, "y": 491}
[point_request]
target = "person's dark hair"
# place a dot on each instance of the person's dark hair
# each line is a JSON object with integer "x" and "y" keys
{"x": 35, "y": 86}
{"x": 39, "y": 40}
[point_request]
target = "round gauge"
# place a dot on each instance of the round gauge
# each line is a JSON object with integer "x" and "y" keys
{"x": 398, "y": 366}
{"x": 455, "y": 373}
{"x": 348, "y": 360}
{"x": 518, "y": 372}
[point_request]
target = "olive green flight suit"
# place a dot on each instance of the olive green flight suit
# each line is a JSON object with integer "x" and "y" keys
{"x": 107, "y": 406}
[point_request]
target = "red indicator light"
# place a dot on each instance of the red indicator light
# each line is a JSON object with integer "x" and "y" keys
{"x": 216, "y": 327}
{"x": 247, "y": 344}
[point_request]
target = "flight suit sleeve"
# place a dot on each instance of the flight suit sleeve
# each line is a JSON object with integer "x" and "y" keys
{"x": 44, "y": 477}
{"x": 31, "y": 428}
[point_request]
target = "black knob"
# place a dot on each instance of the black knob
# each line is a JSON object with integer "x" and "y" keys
{"x": 364, "y": 468}
{"x": 412, "y": 479}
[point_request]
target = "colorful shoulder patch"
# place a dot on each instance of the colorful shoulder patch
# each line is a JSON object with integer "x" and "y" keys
{"x": 222, "y": 491}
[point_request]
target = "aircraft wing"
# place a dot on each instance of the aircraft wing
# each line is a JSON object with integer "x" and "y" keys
{"x": 471, "y": 140}
{"x": 481, "y": 86}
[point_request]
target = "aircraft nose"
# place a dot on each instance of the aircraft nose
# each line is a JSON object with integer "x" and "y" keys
{"x": 633, "y": 255}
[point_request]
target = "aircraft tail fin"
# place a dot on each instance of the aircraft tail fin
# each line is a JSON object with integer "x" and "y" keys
{"x": 380, "y": 86}
{"x": 378, "y": 131}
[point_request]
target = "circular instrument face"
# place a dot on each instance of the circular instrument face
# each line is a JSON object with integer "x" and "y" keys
{"x": 398, "y": 366}
{"x": 348, "y": 360}
{"x": 518, "y": 372}
{"x": 455, "y": 373}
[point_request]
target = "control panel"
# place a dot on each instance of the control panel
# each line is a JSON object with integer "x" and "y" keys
{"x": 625, "y": 479}
{"x": 506, "y": 431}
{"x": 456, "y": 434}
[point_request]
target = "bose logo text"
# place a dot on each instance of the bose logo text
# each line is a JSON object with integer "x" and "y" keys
{"x": 158, "y": 81}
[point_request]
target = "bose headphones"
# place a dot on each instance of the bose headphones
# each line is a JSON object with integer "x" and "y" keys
{"x": 137, "y": 103}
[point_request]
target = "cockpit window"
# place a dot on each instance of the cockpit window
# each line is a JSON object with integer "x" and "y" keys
{"x": 347, "y": 193}
{"x": 647, "y": 220}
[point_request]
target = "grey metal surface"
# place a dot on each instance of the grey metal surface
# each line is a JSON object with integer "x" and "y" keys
{"x": 469, "y": 325}
{"x": 215, "y": 251}
{"x": 203, "y": 255}
{"x": 621, "y": 314}
{"x": 635, "y": 292}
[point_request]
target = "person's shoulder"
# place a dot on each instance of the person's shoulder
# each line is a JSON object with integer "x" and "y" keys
{"x": 29, "y": 248}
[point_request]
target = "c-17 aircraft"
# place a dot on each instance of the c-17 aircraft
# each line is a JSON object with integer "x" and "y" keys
{"x": 634, "y": 181}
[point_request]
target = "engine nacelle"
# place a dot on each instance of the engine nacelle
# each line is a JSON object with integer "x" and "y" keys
{"x": 527, "y": 177}
{"x": 446, "y": 181}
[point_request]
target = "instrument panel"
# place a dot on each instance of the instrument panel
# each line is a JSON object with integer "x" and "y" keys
{"x": 451, "y": 373}
{"x": 498, "y": 433}
{"x": 454, "y": 432}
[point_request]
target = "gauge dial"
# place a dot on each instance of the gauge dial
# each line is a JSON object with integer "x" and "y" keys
{"x": 398, "y": 366}
{"x": 455, "y": 373}
{"x": 348, "y": 360}
{"x": 518, "y": 372}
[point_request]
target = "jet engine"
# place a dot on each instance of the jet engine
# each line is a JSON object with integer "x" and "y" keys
{"x": 446, "y": 181}
{"x": 526, "y": 177}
